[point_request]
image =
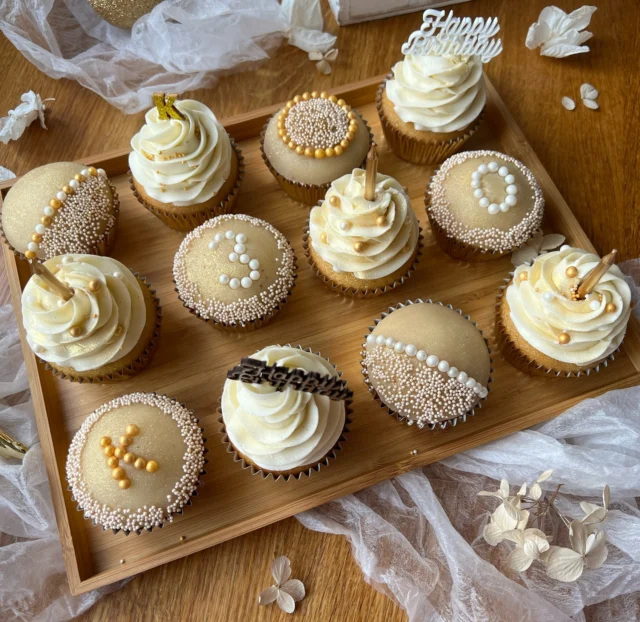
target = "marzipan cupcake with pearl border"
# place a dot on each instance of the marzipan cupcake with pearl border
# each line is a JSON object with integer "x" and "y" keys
{"x": 283, "y": 431}
{"x": 136, "y": 462}
{"x": 60, "y": 208}
{"x": 427, "y": 363}
{"x": 546, "y": 324}
{"x": 185, "y": 168}
{"x": 234, "y": 271}
{"x": 106, "y": 331}
{"x": 314, "y": 139}
{"x": 483, "y": 205}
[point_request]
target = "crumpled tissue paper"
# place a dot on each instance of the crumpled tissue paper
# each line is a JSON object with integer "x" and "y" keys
{"x": 558, "y": 34}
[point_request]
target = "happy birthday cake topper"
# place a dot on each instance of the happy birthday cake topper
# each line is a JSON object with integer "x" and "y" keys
{"x": 462, "y": 36}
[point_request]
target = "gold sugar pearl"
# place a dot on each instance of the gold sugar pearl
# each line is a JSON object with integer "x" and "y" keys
{"x": 333, "y": 99}
{"x": 571, "y": 272}
{"x": 183, "y": 538}
{"x": 323, "y": 237}
{"x": 282, "y": 132}
{"x": 46, "y": 220}
{"x": 324, "y": 95}
{"x": 308, "y": 152}
{"x": 306, "y": 96}
{"x": 55, "y": 204}
{"x": 112, "y": 462}
{"x": 346, "y": 107}
{"x": 109, "y": 450}
{"x": 132, "y": 429}
{"x": 358, "y": 247}
{"x": 611, "y": 308}
{"x": 125, "y": 440}
{"x": 564, "y": 339}
{"x": 353, "y": 127}
{"x": 523, "y": 276}
{"x": 297, "y": 99}
{"x": 92, "y": 171}
{"x": 30, "y": 254}
{"x": 104, "y": 441}
{"x": 129, "y": 458}
{"x": 315, "y": 94}
{"x": 119, "y": 452}
{"x": 350, "y": 137}
{"x": 292, "y": 144}
{"x": 351, "y": 116}
{"x": 75, "y": 331}
{"x": 124, "y": 483}
{"x": 344, "y": 143}
{"x": 334, "y": 200}
{"x": 329, "y": 152}
{"x": 341, "y": 102}
{"x": 94, "y": 285}
{"x": 140, "y": 463}
{"x": 319, "y": 153}
{"x": 36, "y": 237}
{"x": 381, "y": 221}
{"x": 300, "y": 150}
{"x": 152, "y": 466}
{"x": 78, "y": 177}
{"x": 339, "y": 150}
{"x": 288, "y": 105}
{"x": 280, "y": 125}
{"x": 68, "y": 189}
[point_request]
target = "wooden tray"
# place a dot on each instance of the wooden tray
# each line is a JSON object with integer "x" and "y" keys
{"x": 192, "y": 360}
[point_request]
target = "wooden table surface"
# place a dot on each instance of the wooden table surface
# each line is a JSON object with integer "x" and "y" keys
{"x": 591, "y": 155}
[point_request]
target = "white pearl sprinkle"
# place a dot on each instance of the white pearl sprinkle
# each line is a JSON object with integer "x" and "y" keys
{"x": 224, "y": 279}
{"x": 503, "y": 171}
{"x": 471, "y": 383}
{"x": 229, "y": 235}
{"x": 548, "y": 297}
{"x": 60, "y": 302}
{"x": 32, "y": 246}
{"x": 85, "y": 172}
{"x": 421, "y": 355}
{"x": 483, "y": 392}
{"x": 370, "y": 338}
{"x": 213, "y": 245}
{"x": 494, "y": 208}
{"x": 475, "y": 183}
{"x": 512, "y": 189}
{"x": 432, "y": 360}
{"x": 380, "y": 340}
{"x": 484, "y": 202}
{"x": 483, "y": 169}
{"x": 511, "y": 200}
{"x": 239, "y": 248}
{"x": 254, "y": 275}
{"x": 410, "y": 349}
{"x": 475, "y": 176}
{"x": 399, "y": 347}
{"x": 218, "y": 237}
{"x": 246, "y": 282}
{"x": 462, "y": 377}
{"x": 241, "y": 238}
{"x": 245, "y": 258}
{"x": 102, "y": 172}
{"x": 389, "y": 342}
{"x": 48, "y": 211}
{"x": 453, "y": 371}
{"x": 234, "y": 283}
{"x": 443, "y": 366}
{"x": 117, "y": 274}
{"x": 233, "y": 257}
{"x": 344, "y": 225}
{"x": 504, "y": 207}
{"x": 478, "y": 193}
{"x": 61, "y": 196}
{"x": 40, "y": 228}
{"x": 74, "y": 183}
{"x": 594, "y": 305}
{"x": 254, "y": 264}
{"x": 509, "y": 179}
{"x": 493, "y": 167}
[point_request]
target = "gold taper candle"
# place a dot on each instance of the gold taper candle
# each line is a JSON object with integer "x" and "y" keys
{"x": 591, "y": 279}
{"x": 371, "y": 174}
{"x": 60, "y": 288}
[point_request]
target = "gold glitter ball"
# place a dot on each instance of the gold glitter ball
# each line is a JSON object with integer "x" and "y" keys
{"x": 124, "y": 484}
{"x": 564, "y": 339}
{"x": 119, "y": 452}
{"x": 132, "y": 429}
{"x": 75, "y": 331}
{"x": 571, "y": 272}
{"x": 118, "y": 473}
{"x": 122, "y": 13}
{"x": 109, "y": 451}
{"x": 152, "y": 466}
{"x": 104, "y": 441}
{"x": 140, "y": 463}
{"x": 129, "y": 458}
{"x": 335, "y": 201}
{"x": 610, "y": 308}
{"x": 112, "y": 462}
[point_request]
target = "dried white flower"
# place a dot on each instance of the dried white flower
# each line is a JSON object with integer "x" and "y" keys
{"x": 587, "y": 91}
{"x": 324, "y": 60}
{"x": 594, "y": 514}
{"x": 14, "y": 125}
{"x": 590, "y": 103}
{"x": 508, "y": 516}
{"x": 537, "y": 245}
{"x": 530, "y": 545}
{"x": 286, "y": 592}
{"x": 559, "y": 34}
{"x": 568, "y": 103}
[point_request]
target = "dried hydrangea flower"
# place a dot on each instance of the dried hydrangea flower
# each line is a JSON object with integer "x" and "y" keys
{"x": 286, "y": 592}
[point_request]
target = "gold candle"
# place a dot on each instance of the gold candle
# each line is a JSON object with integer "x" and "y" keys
{"x": 591, "y": 279}
{"x": 58, "y": 287}
{"x": 371, "y": 174}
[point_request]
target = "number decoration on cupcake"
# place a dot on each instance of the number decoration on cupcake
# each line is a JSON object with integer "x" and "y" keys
{"x": 239, "y": 254}
{"x": 165, "y": 105}
{"x": 455, "y": 36}
{"x": 511, "y": 190}
{"x": 317, "y": 125}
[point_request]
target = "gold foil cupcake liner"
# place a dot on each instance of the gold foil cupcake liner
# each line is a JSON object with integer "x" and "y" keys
{"x": 452, "y": 422}
{"x": 103, "y": 247}
{"x": 309, "y": 194}
{"x": 415, "y": 151}
{"x": 188, "y": 218}
{"x": 130, "y": 370}
{"x": 516, "y": 358}
{"x": 246, "y": 327}
{"x": 179, "y": 512}
{"x": 363, "y": 292}
{"x": 296, "y": 474}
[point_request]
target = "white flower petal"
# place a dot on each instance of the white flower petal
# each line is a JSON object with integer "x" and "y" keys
{"x": 523, "y": 255}
{"x": 512, "y": 511}
{"x": 538, "y": 33}
{"x": 597, "y": 516}
{"x": 286, "y": 602}
{"x": 331, "y": 55}
{"x": 588, "y": 91}
{"x": 530, "y": 549}
{"x": 606, "y": 496}
{"x": 553, "y": 17}
{"x": 492, "y": 534}
{"x": 587, "y": 507}
{"x": 580, "y": 18}
{"x": 564, "y": 564}
{"x": 504, "y": 488}
{"x": 561, "y": 50}
{"x": 324, "y": 67}
{"x": 590, "y": 103}
{"x": 578, "y": 536}
{"x": 524, "y": 519}
{"x": 281, "y": 569}
{"x": 295, "y": 589}
{"x": 535, "y": 492}
{"x": 596, "y": 551}
{"x": 316, "y": 56}
{"x": 523, "y": 490}
{"x": 551, "y": 241}
{"x": 568, "y": 103}
{"x": 518, "y": 560}
{"x": 268, "y": 596}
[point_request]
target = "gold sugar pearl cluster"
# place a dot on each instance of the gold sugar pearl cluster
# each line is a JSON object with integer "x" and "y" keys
{"x": 335, "y": 105}
{"x": 121, "y": 452}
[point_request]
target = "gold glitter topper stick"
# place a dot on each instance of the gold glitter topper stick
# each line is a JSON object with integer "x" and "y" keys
{"x": 371, "y": 174}
{"x": 165, "y": 105}
{"x": 58, "y": 287}
{"x": 592, "y": 278}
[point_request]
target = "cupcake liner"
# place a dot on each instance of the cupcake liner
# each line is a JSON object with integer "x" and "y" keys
{"x": 309, "y": 470}
{"x": 103, "y": 247}
{"x": 521, "y": 361}
{"x": 417, "y": 152}
{"x": 249, "y": 326}
{"x": 179, "y": 512}
{"x": 309, "y": 194}
{"x": 439, "y": 424}
{"x": 130, "y": 370}
{"x": 360, "y": 293}
{"x": 188, "y": 218}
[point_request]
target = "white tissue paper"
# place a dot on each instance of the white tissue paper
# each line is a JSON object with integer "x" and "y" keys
{"x": 558, "y": 34}
{"x": 180, "y": 46}
{"x": 31, "y": 108}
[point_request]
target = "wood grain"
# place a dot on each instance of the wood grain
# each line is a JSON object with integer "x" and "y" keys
{"x": 590, "y": 156}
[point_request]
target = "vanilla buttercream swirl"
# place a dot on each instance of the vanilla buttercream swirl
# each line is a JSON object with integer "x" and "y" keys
{"x": 181, "y": 161}
{"x": 438, "y": 93}
{"x": 386, "y": 227}
{"x": 541, "y": 307}
{"x": 110, "y": 316}
{"x": 282, "y": 430}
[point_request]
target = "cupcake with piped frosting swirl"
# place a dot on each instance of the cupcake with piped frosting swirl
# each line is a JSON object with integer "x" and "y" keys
{"x": 431, "y": 104}
{"x": 185, "y": 168}
{"x": 288, "y": 431}
{"x": 544, "y": 327}
{"x": 106, "y": 331}
{"x": 359, "y": 246}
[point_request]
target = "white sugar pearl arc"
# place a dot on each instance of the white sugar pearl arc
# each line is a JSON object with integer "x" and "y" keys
{"x": 443, "y": 366}
{"x": 462, "y": 377}
{"x": 254, "y": 264}
{"x": 254, "y": 275}
{"x": 380, "y": 340}
{"x": 504, "y": 207}
{"x": 48, "y": 211}
{"x": 494, "y": 208}
{"x": 74, "y": 183}
{"x": 512, "y": 189}
{"x": 212, "y": 245}
{"x": 399, "y": 347}
{"x": 233, "y": 257}
{"x": 218, "y": 237}
{"x": 509, "y": 179}
{"x": 234, "y": 283}
{"x": 244, "y": 259}
{"x": 32, "y": 246}
{"x": 511, "y": 200}
{"x": 40, "y": 229}
{"x": 493, "y": 167}
{"x": 478, "y": 193}
{"x": 453, "y": 372}
{"x": 389, "y": 342}
{"x": 483, "y": 169}
{"x": 239, "y": 248}
{"x": 370, "y": 338}
{"x": 421, "y": 355}
{"x": 224, "y": 279}
{"x": 410, "y": 349}
{"x": 246, "y": 282}
{"x": 503, "y": 171}
{"x": 432, "y": 360}
{"x": 484, "y": 202}
{"x": 229, "y": 235}
{"x": 61, "y": 196}
{"x": 241, "y": 238}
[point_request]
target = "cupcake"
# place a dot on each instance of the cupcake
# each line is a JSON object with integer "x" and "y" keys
{"x": 359, "y": 246}
{"x": 105, "y": 330}
{"x": 430, "y": 105}
{"x": 427, "y": 363}
{"x": 135, "y": 462}
{"x": 546, "y": 323}
{"x": 483, "y": 205}
{"x": 185, "y": 168}
{"x": 283, "y": 431}
{"x": 60, "y": 208}
{"x": 234, "y": 271}
{"x": 313, "y": 140}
